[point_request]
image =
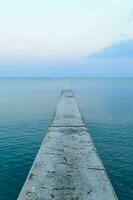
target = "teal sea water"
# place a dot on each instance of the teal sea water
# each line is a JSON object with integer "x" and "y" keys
{"x": 26, "y": 110}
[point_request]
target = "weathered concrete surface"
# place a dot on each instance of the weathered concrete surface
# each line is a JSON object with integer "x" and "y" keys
{"x": 67, "y": 113}
{"x": 67, "y": 166}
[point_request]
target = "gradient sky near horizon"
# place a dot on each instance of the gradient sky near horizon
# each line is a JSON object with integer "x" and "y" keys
{"x": 55, "y": 37}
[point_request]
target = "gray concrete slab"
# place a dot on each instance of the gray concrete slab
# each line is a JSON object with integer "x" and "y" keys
{"x": 67, "y": 166}
{"x": 67, "y": 111}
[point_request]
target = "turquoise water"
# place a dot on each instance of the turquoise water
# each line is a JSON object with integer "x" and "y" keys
{"x": 26, "y": 110}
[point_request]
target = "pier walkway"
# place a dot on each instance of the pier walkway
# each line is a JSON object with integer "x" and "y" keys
{"x": 67, "y": 166}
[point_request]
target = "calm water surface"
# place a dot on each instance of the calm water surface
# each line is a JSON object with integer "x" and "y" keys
{"x": 26, "y": 110}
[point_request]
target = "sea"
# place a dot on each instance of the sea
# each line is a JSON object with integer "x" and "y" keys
{"x": 27, "y": 106}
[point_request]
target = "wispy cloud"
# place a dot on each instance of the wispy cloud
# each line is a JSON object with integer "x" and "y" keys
{"x": 116, "y": 50}
{"x": 53, "y": 38}
{"x": 51, "y": 29}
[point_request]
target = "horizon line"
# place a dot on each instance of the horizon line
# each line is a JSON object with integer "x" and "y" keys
{"x": 35, "y": 77}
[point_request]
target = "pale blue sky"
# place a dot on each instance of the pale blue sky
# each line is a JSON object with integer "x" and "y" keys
{"x": 44, "y": 37}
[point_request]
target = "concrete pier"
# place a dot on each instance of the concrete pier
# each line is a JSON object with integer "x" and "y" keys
{"x": 67, "y": 166}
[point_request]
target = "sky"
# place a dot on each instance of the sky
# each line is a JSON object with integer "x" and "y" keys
{"x": 58, "y": 38}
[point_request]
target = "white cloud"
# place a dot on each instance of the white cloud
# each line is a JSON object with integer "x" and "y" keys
{"x": 49, "y": 28}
